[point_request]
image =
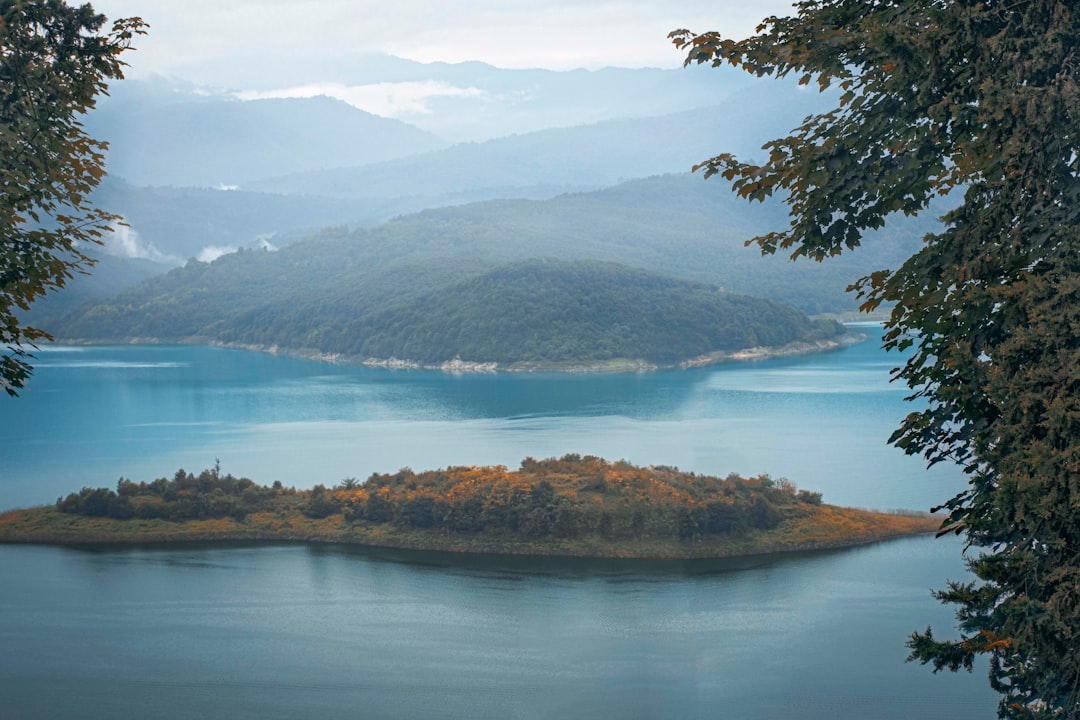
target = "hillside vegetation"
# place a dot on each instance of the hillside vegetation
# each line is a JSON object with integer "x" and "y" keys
{"x": 540, "y": 311}
{"x": 676, "y": 225}
{"x": 569, "y": 506}
{"x": 550, "y": 312}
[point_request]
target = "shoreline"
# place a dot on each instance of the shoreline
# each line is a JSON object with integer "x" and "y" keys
{"x": 464, "y": 549}
{"x": 47, "y": 526}
{"x": 457, "y": 366}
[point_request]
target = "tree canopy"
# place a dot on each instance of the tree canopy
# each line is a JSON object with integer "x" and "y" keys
{"x": 573, "y": 505}
{"x": 54, "y": 62}
{"x": 980, "y": 100}
{"x": 534, "y": 312}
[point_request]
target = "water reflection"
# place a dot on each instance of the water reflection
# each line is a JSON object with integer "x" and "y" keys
{"x": 144, "y": 411}
{"x": 273, "y": 631}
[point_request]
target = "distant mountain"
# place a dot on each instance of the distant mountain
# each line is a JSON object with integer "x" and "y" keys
{"x": 172, "y": 224}
{"x": 167, "y": 226}
{"x": 158, "y": 137}
{"x": 570, "y": 159}
{"x": 170, "y": 134}
{"x": 163, "y": 132}
{"x": 474, "y": 101}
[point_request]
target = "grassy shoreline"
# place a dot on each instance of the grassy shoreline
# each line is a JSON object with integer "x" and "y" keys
{"x": 833, "y": 527}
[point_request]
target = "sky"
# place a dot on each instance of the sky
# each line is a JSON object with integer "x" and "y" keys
{"x": 226, "y": 43}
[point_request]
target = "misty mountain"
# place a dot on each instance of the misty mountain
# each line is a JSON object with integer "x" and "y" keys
{"x": 569, "y": 159}
{"x": 474, "y": 101}
{"x": 159, "y": 136}
{"x": 167, "y": 133}
{"x": 107, "y": 277}
{"x": 676, "y": 225}
{"x": 171, "y": 224}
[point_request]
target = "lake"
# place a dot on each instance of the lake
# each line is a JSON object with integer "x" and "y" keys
{"x": 283, "y": 631}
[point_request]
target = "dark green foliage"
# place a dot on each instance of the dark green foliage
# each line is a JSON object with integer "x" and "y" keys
{"x": 763, "y": 514}
{"x": 304, "y": 289}
{"x": 321, "y": 505}
{"x": 534, "y": 311}
{"x": 185, "y": 497}
{"x": 550, "y": 499}
{"x": 417, "y": 512}
{"x": 555, "y": 498}
{"x": 548, "y": 311}
{"x": 377, "y": 509}
{"x": 982, "y": 99}
{"x": 54, "y": 62}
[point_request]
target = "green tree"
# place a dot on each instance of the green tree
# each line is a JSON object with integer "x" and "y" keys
{"x": 321, "y": 505}
{"x": 54, "y": 62}
{"x": 981, "y": 99}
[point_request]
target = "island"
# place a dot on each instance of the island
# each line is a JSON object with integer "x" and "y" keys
{"x": 570, "y": 506}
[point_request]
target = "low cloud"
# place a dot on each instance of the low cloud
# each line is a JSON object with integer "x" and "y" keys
{"x": 124, "y": 241}
{"x": 388, "y": 99}
{"x": 262, "y": 242}
{"x": 210, "y": 253}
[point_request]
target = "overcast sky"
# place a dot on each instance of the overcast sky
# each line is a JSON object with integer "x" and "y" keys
{"x": 221, "y": 40}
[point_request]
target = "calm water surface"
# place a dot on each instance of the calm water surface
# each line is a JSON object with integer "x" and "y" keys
{"x": 321, "y": 632}
{"x": 327, "y": 631}
{"x": 94, "y": 414}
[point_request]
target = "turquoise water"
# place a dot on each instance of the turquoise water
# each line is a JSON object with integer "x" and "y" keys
{"x": 279, "y": 631}
{"x": 94, "y": 414}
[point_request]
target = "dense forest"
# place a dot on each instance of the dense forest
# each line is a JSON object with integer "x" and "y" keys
{"x": 579, "y": 504}
{"x": 676, "y": 225}
{"x": 550, "y": 311}
{"x": 564, "y": 497}
{"x": 540, "y": 311}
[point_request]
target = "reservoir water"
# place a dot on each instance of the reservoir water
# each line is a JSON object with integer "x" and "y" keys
{"x": 282, "y": 631}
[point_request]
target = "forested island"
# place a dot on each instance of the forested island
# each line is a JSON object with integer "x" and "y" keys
{"x": 573, "y": 506}
{"x": 530, "y": 315}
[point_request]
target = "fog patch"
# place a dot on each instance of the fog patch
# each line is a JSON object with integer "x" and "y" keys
{"x": 387, "y": 99}
{"x": 124, "y": 241}
{"x": 262, "y": 242}
{"x": 210, "y": 253}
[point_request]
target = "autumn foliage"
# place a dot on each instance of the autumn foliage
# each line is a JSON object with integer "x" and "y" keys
{"x": 574, "y": 506}
{"x": 570, "y": 497}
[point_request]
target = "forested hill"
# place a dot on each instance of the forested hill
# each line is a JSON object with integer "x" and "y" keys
{"x": 543, "y": 312}
{"x": 546, "y": 311}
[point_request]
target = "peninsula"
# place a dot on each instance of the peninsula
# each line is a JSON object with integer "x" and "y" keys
{"x": 570, "y": 506}
{"x": 528, "y": 316}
